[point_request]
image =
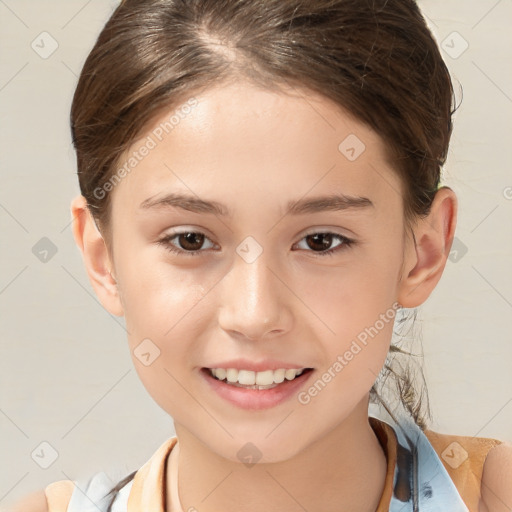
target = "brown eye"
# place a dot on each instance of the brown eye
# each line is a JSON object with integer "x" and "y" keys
{"x": 191, "y": 241}
{"x": 320, "y": 243}
{"x": 186, "y": 243}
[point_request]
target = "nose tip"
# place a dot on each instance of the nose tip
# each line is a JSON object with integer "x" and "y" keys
{"x": 251, "y": 325}
{"x": 253, "y": 305}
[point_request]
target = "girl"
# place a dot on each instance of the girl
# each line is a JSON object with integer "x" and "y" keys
{"x": 261, "y": 200}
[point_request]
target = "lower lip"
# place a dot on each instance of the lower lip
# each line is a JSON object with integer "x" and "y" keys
{"x": 256, "y": 399}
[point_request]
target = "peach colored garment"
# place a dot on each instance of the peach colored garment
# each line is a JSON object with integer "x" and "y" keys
{"x": 147, "y": 493}
{"x": 468, "y": 476}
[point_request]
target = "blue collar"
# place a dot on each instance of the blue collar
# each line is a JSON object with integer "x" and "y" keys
{"x": 421, "y": 482}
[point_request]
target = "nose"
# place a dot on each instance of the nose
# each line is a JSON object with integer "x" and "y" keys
{"x": 255, "y": 302}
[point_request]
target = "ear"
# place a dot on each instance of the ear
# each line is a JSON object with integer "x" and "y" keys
{"x": 425, "y": 258}
{"x": 96, "y": 256}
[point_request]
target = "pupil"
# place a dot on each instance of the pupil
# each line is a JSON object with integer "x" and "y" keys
{"x": 187, "y": 240}
{"x": 326, "y": 243}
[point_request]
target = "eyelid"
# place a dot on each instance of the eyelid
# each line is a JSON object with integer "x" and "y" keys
{"x": 325, "y": 230}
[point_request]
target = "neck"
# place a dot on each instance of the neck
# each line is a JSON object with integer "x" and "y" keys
{"x": 346, "y": 468}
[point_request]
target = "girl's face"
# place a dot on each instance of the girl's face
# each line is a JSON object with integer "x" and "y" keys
{"x": 262, "y": 281}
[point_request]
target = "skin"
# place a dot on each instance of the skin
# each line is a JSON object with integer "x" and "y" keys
{"x": 254, "y": 151}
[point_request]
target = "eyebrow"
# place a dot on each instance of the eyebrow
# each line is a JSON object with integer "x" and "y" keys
{"x": 333, "y": 202}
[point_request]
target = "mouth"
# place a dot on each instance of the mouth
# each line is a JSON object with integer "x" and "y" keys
{"x": 261, "y": 380}
{"x": 256, "y": 385}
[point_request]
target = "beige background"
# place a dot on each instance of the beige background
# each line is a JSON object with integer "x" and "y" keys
{"x": 66, "y": 377}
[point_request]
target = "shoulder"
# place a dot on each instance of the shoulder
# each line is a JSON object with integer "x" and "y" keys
{"x": 53, "y": 498}
{"x": 497, "y": 479}
{"x": 464, "y": 452}
{"x": 58, "y": 495}
{"x": 34, "y": 502}
{"x": 475, "y": 465}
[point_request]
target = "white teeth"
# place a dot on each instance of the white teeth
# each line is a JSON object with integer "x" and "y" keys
{"x": 290, "y": 374}
{"x": 263, "y": 378}
{"x": 220, "y": 373}
{"x": 250, "y": 378}
{"x": 232, "y": 375}
{"x": 279, "y": 376}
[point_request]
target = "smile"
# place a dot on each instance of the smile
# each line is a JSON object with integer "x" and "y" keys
{"x": 266, "y": 379}
{"x": 248, "y": 389}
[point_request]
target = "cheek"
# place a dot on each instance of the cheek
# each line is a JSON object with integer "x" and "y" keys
{"x": 349, "y": 299}
{"x": 156, "y": 295}
{"x": 357, "y": 309}
{"x": 165, "y": 319}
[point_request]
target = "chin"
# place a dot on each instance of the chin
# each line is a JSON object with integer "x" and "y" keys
{"x": 256, "y": 448}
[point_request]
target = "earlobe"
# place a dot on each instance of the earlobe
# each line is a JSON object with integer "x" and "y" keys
{"x": 425, "y": 258}
{"x": 96, "y": 256}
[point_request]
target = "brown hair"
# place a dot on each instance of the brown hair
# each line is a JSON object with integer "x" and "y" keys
{"x": 376, "y": 59}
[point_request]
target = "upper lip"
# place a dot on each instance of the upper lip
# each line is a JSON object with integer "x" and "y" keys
{"x": 266, "y": 364}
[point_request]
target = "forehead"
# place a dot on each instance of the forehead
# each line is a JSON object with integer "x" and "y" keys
{"x": 258, "y": 144}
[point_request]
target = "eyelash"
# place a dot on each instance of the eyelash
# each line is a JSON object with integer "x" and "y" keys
{"x": 346, "y": 243}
